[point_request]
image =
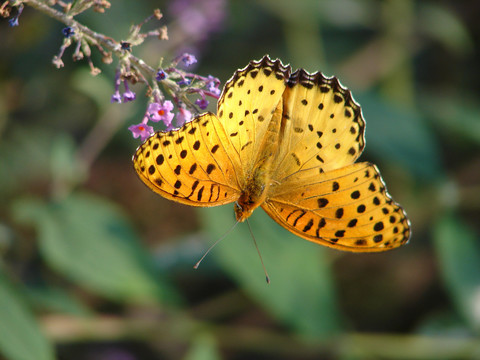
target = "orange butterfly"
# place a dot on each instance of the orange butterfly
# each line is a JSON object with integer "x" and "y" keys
{"x": 287, "y": 142}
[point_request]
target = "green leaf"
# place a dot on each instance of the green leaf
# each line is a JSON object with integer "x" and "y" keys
{"x": 55, "y": 299}
{"x": 90, "y": 241}
{"x": 65, "y": 167}
{"x": 20, "y": 335}
{"x": 24, "y": 157}
{"x": 31, "y": 155}
{"x": 301, "y": 290}
{"x": 458, "y": 253}
{"x": 456, "y": 115}
{"x": 441, "y": 24}
{"x": 203, "y": 347}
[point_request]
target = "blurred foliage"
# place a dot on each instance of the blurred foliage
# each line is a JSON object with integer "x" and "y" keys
{"x": 95, "y": 266}
{"x": 308, "y": 302}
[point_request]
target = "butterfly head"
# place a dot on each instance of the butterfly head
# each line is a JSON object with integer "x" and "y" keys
{"x": 244, "y": 206}
{"x": 242, "y": 212}
{"x": 252, "y": 196}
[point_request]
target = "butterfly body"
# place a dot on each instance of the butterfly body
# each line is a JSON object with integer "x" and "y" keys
{"x": 258, "y": 178}
{"x": 286, "y": 142}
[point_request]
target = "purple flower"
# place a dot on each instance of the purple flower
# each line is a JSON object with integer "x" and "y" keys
{"x": 128, "y": 95}
{"x": 13, "y": 21}
{"x": 125, "y": 45}
{"x": 68, "y": 32}
{"x": 188, "y": 59}
{"x": 202, "y": 103}
{"x": 161, "y": 112}
{"x": 183, "y": 116}
{"x": 212, "y": 85}
{"x": 185, "y": 81}
{"x": 143, "y": 130}
{"x": 161, "y": 75}
{"x": 116, "y": 97}
{"x": 214, "y": 90}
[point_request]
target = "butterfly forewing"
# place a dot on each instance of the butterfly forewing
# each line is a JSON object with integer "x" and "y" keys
{"x": 194, "y": 165}
{"x": 246, "y": 106}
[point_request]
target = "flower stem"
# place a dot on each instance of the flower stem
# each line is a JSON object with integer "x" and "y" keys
{"x": 90, "y": 35}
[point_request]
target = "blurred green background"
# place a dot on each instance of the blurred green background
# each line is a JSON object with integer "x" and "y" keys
{"x": 95, "y": 266}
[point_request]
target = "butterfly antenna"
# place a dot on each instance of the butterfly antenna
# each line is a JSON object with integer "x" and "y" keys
{"x": 215, "y": 243}
{"x": 259, "y": 254}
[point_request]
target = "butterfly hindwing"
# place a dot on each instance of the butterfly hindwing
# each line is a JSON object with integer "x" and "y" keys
{"x": 194, "y": 165}
{"x": 348, "y": 209}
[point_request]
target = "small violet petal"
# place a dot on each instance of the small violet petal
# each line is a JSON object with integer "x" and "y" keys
{"x": 13, "y": 21}
{"x": 161, "y": 75}
{"x": 161, "y": 112}
{"x": 129, "y": 96}
{"x": 189, "y": 59}
{"x": 141, "y": 130}
{"x": 202, "y": 103}
{"x": 183, "y": 116}
{"x": 116, "y": 97}
{"x": 68, "y": 32}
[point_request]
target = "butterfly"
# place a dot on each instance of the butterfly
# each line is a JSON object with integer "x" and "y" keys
{"x": 287, "y": 142}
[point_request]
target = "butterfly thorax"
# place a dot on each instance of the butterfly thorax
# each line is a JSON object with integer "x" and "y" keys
{"x": 258, "y": 179}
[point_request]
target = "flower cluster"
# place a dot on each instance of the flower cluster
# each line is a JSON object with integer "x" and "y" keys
{"x": 156, "y": 112}
{"x": 179, "y": 84}
{"x": 188, "y": 93}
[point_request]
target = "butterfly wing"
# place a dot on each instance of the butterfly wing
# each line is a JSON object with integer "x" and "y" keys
{"x": 246, "y": 106}
{"x": 206, "y": 162}
{"x": 323, "y": 126}
{"x": 317, "y": 191}
{"x": 348, "y": 209}
{"x": 194, "y": 165}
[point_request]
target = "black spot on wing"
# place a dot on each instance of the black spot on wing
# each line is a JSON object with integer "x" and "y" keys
{"x": 308, "y": 226}
{"x": 210, "y": 168}
{"x": 322, "y": 202}
{"x": 160, "y": 159}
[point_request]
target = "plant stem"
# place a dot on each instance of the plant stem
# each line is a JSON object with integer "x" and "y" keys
{"x": 90, "y": 35}
{"x": 175, "y": 331}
